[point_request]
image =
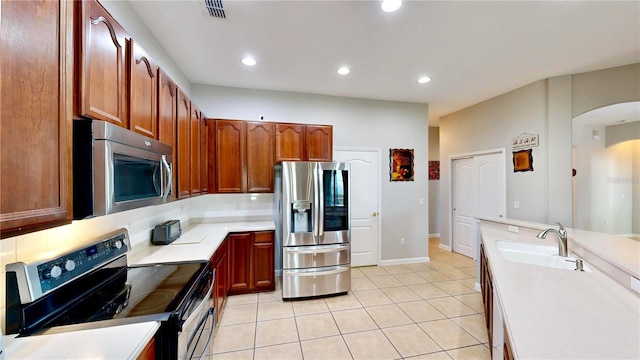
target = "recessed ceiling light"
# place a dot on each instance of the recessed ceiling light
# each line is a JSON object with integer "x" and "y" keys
{"x": 249, "y": 61}
{"x": 424, "y": 79}
{"x": 391, "y": 5}
{"x": 343, "y": 70}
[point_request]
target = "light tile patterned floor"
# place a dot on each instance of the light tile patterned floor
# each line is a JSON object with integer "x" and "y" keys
{"x": 413, "y": 311}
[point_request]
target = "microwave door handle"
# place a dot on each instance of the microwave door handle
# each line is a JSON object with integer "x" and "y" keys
{"x": 169, "y": 181}
{"x": 157, "y": 188}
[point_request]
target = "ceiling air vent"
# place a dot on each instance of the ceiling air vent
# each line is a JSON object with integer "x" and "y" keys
{"x": 215, "y": 8}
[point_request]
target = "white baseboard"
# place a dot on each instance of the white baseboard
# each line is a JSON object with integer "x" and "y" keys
{"x": 434, "y": 235}
{"x": 445, "y": 247}
{"x": 404, "y": 261}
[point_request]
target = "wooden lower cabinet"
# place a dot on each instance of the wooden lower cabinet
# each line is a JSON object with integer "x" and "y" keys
{"x": 149, "y": 351}
{"x": 251, "y": 262}
{"x": 240, "y": 251}
{"x": 486, "y": 285}
{"x": 220, "y": 264}
{"x": 263, "y": 276}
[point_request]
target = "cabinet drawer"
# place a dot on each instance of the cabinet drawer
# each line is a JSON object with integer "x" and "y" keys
{"x": 315, "y": 282}
{"x": 299, "y": 257}
{"x": 264, "y": 237}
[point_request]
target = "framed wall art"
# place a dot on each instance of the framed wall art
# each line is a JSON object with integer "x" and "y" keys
{"x": 434, "y": 170}
{"x": 401, "y": 164}
{"x": 522, "y": 160}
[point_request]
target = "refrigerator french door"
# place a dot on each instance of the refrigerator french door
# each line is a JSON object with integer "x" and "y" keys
{"x": 313, "y": 228}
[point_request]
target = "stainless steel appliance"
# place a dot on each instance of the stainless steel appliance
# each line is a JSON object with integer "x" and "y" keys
{"x": 313, "y": 228}
{"x": 115, "y": 169}
{"x": 92, "y": 287}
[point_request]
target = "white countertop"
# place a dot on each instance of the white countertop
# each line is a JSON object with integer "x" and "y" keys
{"x": 561, "y": 314}
{"x": 117, "y": 342}
{"x": 198, "y": 242}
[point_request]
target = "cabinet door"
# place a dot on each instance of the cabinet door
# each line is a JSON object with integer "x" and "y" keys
{"x": 260, "y": 158}
{"x": 263, "y": 261}
{"x": 167, "y": 113}
{"x": 184, "y": 155}
{"x": 289, "y": 142}
{"x": 149, "y": 351}
{"x": 35, "y": 108}
{"x": 195, "y": 121}
{"x": 101, "y": 65}
{"x": 220, "y": 263}
{"x": 204, "y": 154}
{"x": 319, "y": 143}
{"x": 143, "y": 91}
{"x": 240, "y": 266}
{"x": 230, "y": 147}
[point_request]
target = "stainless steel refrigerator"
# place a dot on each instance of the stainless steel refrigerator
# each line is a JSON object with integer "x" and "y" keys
{"x": 313, "y": 228}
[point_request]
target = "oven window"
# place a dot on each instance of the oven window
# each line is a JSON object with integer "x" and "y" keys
{"x": 136, "y": 178}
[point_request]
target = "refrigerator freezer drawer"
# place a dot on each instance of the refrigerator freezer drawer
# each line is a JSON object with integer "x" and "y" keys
{"x": 300, "y": 257}
{"x": 307, "y": 238}
{"x": 315, "y": 282}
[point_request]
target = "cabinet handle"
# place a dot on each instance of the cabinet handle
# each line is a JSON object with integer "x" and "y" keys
{"x": 374, "y": 214}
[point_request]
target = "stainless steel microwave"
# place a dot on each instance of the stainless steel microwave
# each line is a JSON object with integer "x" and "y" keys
{"x": 115, "y": 169}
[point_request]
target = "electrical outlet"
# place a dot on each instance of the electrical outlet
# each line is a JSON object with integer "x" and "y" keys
{"x": 516, "y": 204}
{"x": 421, "y": 202}
{"x": 402, "y": 242}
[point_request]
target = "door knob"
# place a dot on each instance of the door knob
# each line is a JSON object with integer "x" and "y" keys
{"x": 374, "y": 214}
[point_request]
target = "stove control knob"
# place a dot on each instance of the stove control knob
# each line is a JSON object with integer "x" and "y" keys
{"x": 117, "y": 244}
{"x": 56, "y": 271}
{"x": 69, "y": 265}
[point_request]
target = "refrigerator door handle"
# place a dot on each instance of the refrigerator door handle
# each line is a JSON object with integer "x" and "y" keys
{"x": 319, "y": 194}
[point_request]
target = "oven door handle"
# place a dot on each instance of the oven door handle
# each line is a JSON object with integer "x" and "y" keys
{"x": 201, "y": 328}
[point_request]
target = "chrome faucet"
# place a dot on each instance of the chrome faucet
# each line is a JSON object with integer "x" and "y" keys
{"x": 562, "y": 238}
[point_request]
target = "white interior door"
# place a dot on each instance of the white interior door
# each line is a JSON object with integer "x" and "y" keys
{"x": 491, "y": 199}
{"x": 463, "y": 207}
{"x": 478, "y": 189}
{"x": 365, "y": 195}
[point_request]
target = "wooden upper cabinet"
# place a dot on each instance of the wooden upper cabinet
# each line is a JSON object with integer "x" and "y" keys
{"x": 297, "y": 142}
{"x": 143, "y": 91}
{"x": 100, "y": 65}
{"x": 167, "y": 115}
{"x": 260, "y": 156}
{"x": 195, "y": 121}
{"x": 183, "y": 145}
{"x": 36, "y": 80}
{"x": 230, "y": 153}
{"x": 289, "y": 142}
{"x": 204, "y": 154}
{"x": 319, "y": 143}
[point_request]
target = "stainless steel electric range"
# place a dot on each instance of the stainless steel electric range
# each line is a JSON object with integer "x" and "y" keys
{"x": 93, "y": 287}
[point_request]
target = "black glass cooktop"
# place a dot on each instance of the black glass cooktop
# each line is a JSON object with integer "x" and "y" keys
{"x": 119, "y": 293}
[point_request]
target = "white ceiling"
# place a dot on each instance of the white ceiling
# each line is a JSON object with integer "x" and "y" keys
{"x": 472, "y": 50}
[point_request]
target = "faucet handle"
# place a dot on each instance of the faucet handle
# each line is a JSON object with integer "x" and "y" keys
{"x": 562, "y": 229}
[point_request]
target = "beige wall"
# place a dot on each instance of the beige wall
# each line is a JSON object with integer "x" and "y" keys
{"x": 545, "y": 107}
{"x": 593, "y": 90}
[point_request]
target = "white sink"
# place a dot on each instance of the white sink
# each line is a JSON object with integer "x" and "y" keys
{"x": 540, "y": 255}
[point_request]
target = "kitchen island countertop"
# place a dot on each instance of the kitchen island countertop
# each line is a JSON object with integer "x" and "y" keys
{"x": 561, "y": 314}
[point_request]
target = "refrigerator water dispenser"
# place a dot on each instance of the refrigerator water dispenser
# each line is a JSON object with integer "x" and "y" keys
{"x": 301, "y": 216}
